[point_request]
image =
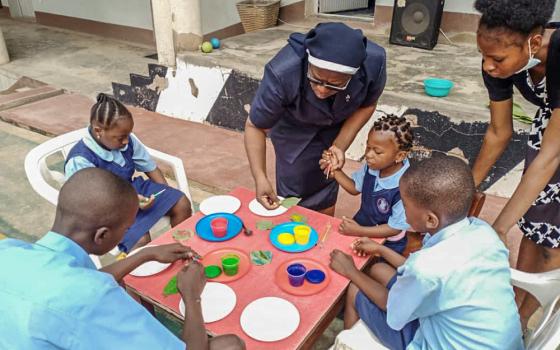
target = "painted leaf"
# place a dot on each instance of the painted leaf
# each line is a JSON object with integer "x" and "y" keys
{"x": 171, "y": 287}
{"x": 264, "y": 225}
{"x": 296, "y": 217}
{"x": 261, "y": 257}
{"x": 182, "y": 235}
{"x": 290, "y": 202}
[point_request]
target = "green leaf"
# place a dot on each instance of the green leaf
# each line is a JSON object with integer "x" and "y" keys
{"x": 261, "y": 257}
{"x": 296, "y": 217}
{"x": 290, "y": 202}
{"x": 171, "y": 287}
{"x": 182, "y": 235}
{"x": 264, "y": 225}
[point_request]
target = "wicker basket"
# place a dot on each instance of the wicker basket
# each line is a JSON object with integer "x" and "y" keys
{"x": 258, "y": 14}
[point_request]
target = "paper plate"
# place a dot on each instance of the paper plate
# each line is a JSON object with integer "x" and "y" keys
{"x": 215, "y": 258}
{"x": 308, "y": 288}
{"x": 289, "y": 228}
{"x": 148, "y": 268}
{"x": 270, "y": 319}
{"x": 217, "y": 301}
{"x": 257, "y": 208}
{"x": 220, "y": 204}
{"x": 204, "y": 231}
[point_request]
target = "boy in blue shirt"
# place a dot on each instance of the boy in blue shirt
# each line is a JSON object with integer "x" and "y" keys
{"x": 52, "y": 297}
{"x": 454, "y": 293}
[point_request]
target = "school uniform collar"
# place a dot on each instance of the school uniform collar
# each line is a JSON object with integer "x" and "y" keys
{"x": 447, "y": 232}
{"x": 101, "y": 152}
{"x": 62, "y": 244}
{"x": 391, "y": 181}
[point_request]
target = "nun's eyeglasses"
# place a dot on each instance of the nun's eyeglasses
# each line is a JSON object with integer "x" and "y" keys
{"x": 327, "y": 85}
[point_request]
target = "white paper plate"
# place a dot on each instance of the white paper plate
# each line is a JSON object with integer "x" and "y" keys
{"x": 220, "y": 204}
{"x": 270, "y": 319}
{"x": 217, "y": 301}
{"x": 257, "y": 208}
{"x": 148, "y": 268}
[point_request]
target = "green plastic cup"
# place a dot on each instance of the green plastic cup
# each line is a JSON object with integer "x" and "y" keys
{"x": 230, "y": 264}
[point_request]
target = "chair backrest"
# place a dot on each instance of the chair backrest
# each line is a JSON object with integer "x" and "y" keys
{"x": 36, "y": 167}
{"x": 477, "y": 204}
{"x": 545, "y": 287}
{"x": 39, "y": 174}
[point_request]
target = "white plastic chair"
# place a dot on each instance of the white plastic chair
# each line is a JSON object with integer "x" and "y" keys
{"x": 545, "y": 287}
{"x": 39, "y": 175}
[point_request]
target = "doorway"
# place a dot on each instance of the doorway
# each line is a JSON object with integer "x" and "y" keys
{"x": 348, "y": 8}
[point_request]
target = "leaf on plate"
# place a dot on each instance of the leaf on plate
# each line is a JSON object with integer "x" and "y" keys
{"x": 171, "y": 287}
{"x": 182, "y": 235}
{"x": 290, "y": 202}
{"x": 296, "y": 217}
{"x": 264, "y": 225}
{"x": 261, "y": 257}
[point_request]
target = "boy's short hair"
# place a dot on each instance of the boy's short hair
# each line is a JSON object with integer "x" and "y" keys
{"x": 443, "y": 184}
{"x": 95, "y": 197}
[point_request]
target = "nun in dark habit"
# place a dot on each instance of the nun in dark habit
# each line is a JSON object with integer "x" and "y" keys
{"x": 315, "y": 95}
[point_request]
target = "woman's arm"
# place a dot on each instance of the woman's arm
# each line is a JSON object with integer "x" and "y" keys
{"x": 496, "y": 139}
{"x": 255, "y": 146}
{"x": 537, "y": 176}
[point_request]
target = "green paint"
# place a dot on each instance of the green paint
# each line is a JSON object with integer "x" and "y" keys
{"x": 171, "y": 287}
{"x": 212, "y": 271}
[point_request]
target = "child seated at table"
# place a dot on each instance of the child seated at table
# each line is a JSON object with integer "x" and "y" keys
{"x": 381, "y": 213}
{"x": 110, "y": 144}
{"x": 454, "y": 293}
{"x": 53, "y": 297}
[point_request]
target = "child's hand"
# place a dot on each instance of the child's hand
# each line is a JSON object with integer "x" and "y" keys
{"x": 169, "y": 253}
{"x": 365, "y": 246}
{"x": 145, "y": 203}
{"x": 326, "y": 163}
{"x": 349, "y": 227}
{"x": 191, "y": 281}
{"x": 342, "y": 263}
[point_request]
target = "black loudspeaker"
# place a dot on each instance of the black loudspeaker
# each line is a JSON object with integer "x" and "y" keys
{"x": 416, "y": 23}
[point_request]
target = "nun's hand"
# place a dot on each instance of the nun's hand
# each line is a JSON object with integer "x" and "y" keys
{"x": 266, "y": 195}
{"x": 337, "y": 158}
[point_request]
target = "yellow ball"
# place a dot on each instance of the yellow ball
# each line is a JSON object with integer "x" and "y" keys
{"x": 206, "y": 47}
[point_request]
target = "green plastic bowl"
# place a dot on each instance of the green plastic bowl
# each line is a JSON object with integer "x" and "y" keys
{"x": 437, "y": 87}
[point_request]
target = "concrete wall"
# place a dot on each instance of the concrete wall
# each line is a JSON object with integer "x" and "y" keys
{"x": 132, "y": 13}
{"x": 218, "y": 14}
{"x": 462, "y": 6}
{"x": 556, "y": 15}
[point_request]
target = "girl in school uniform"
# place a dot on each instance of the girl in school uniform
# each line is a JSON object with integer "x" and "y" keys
{"x": 316, "y": 94}
{"x": 520, "y": 48}
{"x": 381, "y": 213}
{"x": 110, "y": 144}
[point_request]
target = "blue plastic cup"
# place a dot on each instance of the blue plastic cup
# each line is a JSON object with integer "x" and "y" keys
{"x": 296, "y": 274}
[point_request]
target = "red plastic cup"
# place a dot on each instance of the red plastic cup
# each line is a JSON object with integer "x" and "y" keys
{"x": 219, "y": 227}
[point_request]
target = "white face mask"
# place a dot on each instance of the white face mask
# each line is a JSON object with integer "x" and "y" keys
{"x": 533, "y": 62}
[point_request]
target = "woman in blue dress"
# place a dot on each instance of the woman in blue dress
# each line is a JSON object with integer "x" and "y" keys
{"x": 520, "y": 48}
{"x": 110, "y": 144}
{"x": 315, "y": 95}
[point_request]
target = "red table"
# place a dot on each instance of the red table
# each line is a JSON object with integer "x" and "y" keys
{"x": 316, "y": 311}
